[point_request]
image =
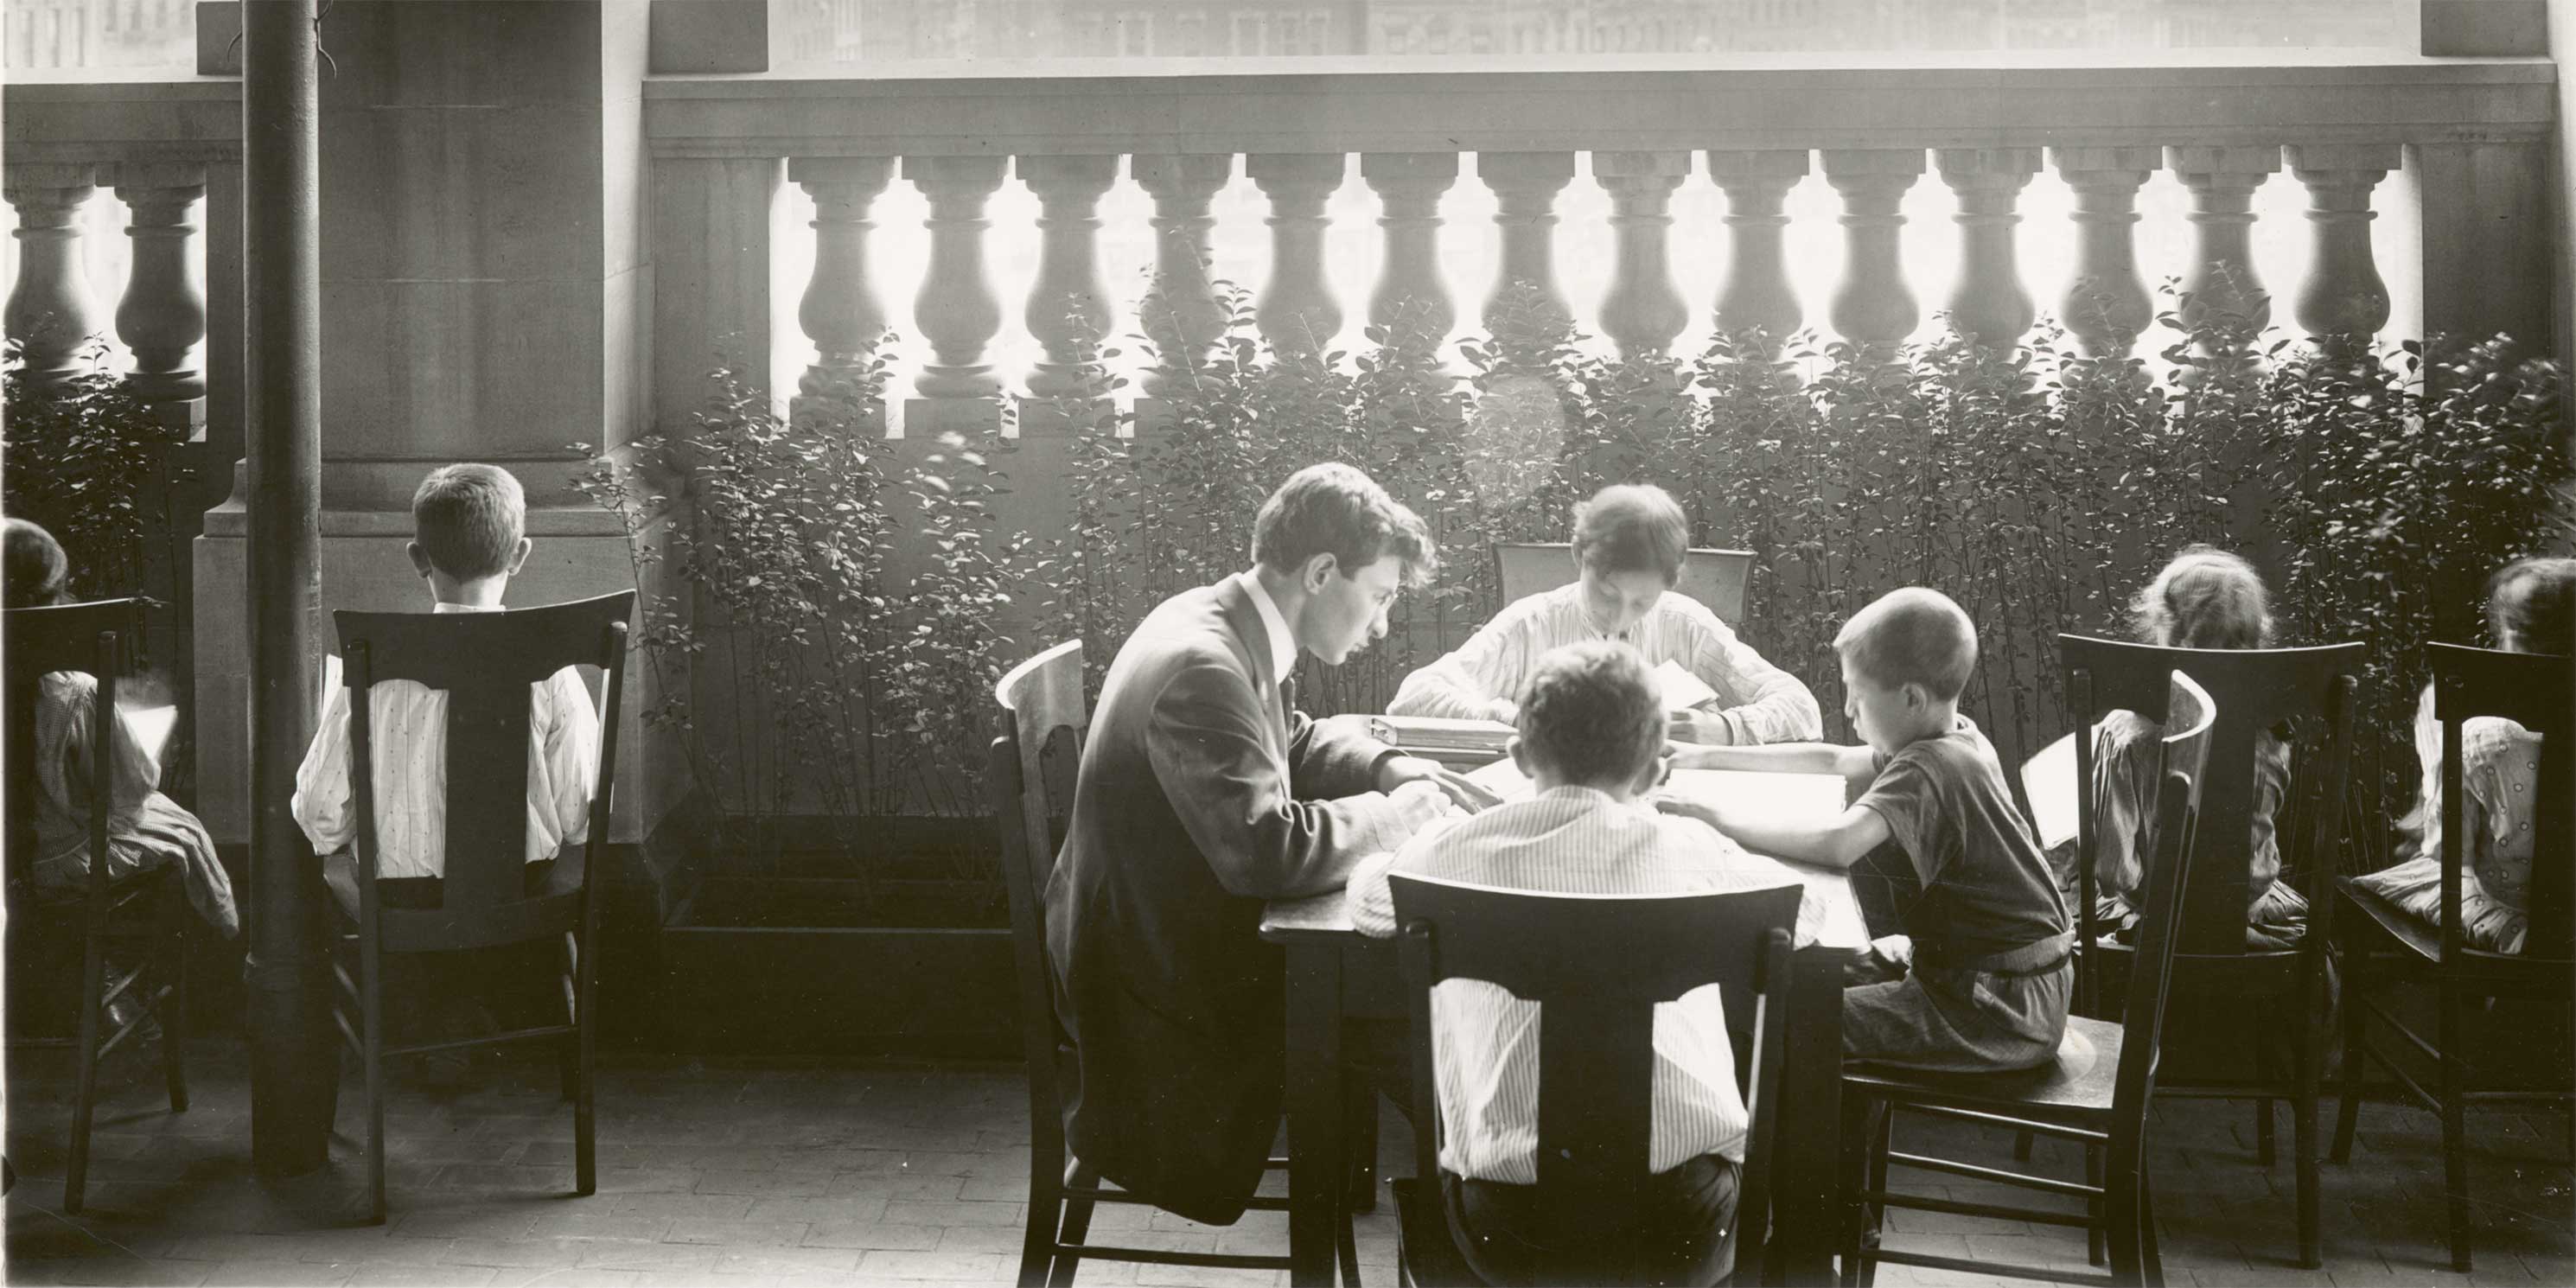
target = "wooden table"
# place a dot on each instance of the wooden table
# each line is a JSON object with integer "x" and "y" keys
{"x": 1335, "y": 973}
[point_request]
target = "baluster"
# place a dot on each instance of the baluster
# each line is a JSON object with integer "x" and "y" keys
{"x": 163, "y": 314}
{"x": 1411, "y": 303}
{"x": 1643, "y": 310}
{"x": 1872, "y": 306}
{"x": 1988, "y": 302}
{"x": 1757, "y": 291}
{"x": 2221, "y": 285}
{"x": 2343, "y": 295}
{"x": 2108, "y": 306}
{"x": 1525, "y": 185}
{"x": 1297, "y": 313}
{"x": 840, "y": 312}
{"x": 1180, "y": 314}
{"x": 49, "y": 310}
{"x": 1069, "y": 306}
{"x": 956, "y": 309}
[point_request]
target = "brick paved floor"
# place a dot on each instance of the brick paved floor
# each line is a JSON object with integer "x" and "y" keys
{"x": 748, "y": 1171}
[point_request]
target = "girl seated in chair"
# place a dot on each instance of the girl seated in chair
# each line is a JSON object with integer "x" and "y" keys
{"x": 146, "y": 830}
{"x": 2206, "y": 598}
{"x": 2531, "y": 606}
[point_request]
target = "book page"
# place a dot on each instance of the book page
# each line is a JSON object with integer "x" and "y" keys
{"x": 1681, "y": 689}
{"x": 2048, "y": 779}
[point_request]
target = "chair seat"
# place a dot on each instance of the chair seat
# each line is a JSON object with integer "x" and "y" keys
{"x": 551, "y": 909}
{"x": 2074, "y": 1086}
{"x": 2421, "y": 940}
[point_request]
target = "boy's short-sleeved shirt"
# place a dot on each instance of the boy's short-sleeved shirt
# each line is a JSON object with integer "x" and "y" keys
{"x": 1987, "y": 889}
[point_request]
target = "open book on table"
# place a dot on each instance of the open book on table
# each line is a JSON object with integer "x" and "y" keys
{"x": 1829, "y": 915}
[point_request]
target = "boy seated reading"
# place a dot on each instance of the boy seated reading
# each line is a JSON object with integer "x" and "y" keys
{"x": 469, "y": 538}
{"x": 1592, "y": 739}
{"x": 1980, "y": 978}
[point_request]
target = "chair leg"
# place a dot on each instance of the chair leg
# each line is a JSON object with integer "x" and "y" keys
{"x": 372, "y": 1037}
{"x": 1348, "y": 1244}
{"x": 2096, "y": 1244}
{"x": 174, "y": 1013}
{"x": 2356, "y": 1049}
{"x": 2303, "y": 1122}
{"x": 1046, "y": 1208}
{"x": 585, "y": 1104}
{"x": 1077, "y": 1222}
{"x": 1859, "y": 1134}
{"x": 2267, "y": 1072}
{"x": 1880, "y": 1144}
{"x": 1362, "y": 1117}
{"x": 2151, "y": 1269}
{"x": 93, "y": 987}
{"x": 568, "y": 1054}
{"x": 2455, "y": 1156}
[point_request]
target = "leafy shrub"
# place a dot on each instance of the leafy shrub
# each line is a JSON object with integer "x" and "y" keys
{"x": 85, "y": 461}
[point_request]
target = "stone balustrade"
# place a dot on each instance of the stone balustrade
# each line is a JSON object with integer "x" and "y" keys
{"x": 170, "y": 155}
{"x": 2221, "y": 131}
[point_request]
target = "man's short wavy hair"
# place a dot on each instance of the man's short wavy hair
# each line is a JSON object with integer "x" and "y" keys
{"x": 1337, "y": 510}
{"x": 1591, "y": 713}
{"x": 468, "y": 519}
{"x": 1632, "y": 527}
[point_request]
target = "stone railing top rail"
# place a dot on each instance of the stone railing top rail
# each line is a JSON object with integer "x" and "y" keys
{"x": 107, "y": 115}
{"x": 1308, "y": 105}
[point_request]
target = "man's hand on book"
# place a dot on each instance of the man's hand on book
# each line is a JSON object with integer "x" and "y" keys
{"x": 1466, "y": 794}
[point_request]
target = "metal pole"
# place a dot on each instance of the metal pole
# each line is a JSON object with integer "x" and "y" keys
{"x": 293, "y": 1067}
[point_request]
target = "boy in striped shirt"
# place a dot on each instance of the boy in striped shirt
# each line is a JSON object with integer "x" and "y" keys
{"x": 1592, "y": 738}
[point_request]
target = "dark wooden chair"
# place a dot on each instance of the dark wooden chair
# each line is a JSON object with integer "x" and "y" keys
{"x": 1716, "y": 578}
{"x": 1033, "y": 767}
{"x": 485, "y": 663}
{"x": 2316, "y": 692}
{"x": 142, "y": 917}
{"x": 1596, "y": 1058}
{"x": 2383, "y": 945}
{"x": 2095, "y": 1092}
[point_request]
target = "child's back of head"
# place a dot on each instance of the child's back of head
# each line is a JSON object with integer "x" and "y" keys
{"x": 2205, "y": 598}
{"x": 1912, "y": 635}
{"x": 1591, "y": 716}
{"x": 468, "y": 522}
{"x": 2531, "y": 606}
{"x": 36, "y": 568}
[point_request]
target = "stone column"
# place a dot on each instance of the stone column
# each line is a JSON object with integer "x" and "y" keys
{"x": 484, "y": 289}
{"x": 956, "y": 310}
{"x": 1180, "y": 312}
{"x": 1757, "y": 291}
{"x": 1872, "y": 307}
{"x": 1988, "y": 302}
{"x": 2107, "y": 307}
{"x": 1643, "y": 310}
{"x": 1525, "y": 185}
{"x": 840, "y": 312}
{"x": 2343, "y": 298}
{"x": 163, "y": 314}
{"x": 1410, "y": 306}
{"x": 50, "y": 311}
{"x": 1068, "y": 308}
{"x": 1297, "y": 313}
{"x": 2222, "y": 283}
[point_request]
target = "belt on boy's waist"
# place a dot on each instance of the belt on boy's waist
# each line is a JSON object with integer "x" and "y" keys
{"x": 2030, "y": 961}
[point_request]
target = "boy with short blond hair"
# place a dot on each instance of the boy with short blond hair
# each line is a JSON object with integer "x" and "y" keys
{"x": 1981, "y": 975}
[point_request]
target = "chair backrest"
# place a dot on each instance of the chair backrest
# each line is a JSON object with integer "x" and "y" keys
{"x": 2186, "y": 762}
{"x": 1042, "y": 712}
{"x": 1713, "y": 577}
{"x": 1597, "y": 965}
{"x": 91, "y": 639}
{"x": 2538, "y": 692}
{"x": 2256, "y": 690}
{"x": 484, "y": 662}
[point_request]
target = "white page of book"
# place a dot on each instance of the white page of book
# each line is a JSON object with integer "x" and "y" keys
{"x": 1681, "y": 689}
{"x": 2048, "y": 779}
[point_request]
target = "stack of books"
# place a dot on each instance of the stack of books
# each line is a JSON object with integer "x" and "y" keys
{"x": 1468, "y": 740}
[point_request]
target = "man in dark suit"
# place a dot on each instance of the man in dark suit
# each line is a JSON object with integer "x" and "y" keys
{"x": 1201, "y": 797}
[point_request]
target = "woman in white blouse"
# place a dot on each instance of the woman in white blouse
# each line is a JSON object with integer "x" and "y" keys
{"x": 1628, "y": 543}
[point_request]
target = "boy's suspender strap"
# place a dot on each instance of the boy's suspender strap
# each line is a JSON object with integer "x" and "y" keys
{"x": 2031, "y": 960}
